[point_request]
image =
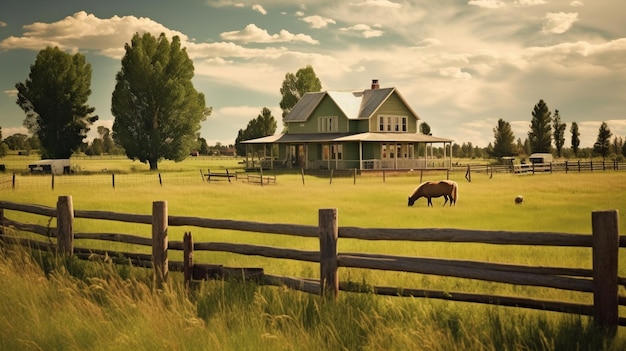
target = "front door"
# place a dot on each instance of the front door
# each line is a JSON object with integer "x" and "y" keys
{"x": 297, "y": 155}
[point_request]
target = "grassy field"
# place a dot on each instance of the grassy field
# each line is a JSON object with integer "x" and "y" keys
{"x": 226, "y": 315}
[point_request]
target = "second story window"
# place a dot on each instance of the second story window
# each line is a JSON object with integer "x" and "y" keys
{"x": 397, "y": 124}
{"x": 328, "y": 124}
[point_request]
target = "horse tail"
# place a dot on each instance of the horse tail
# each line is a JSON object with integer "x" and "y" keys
{"x": 455, "y": 195}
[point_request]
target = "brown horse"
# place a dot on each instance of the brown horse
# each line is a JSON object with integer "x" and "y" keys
{"x": 445, "y": 188}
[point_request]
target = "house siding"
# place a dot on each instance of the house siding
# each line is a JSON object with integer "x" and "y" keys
{"x": 394, "y": 107}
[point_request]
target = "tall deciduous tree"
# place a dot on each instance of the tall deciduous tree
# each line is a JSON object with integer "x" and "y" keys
{"x": 540, "y": 134}
{"x": 603, "y": 143}
{"x": 504, "y": 143}
{"x": 156, "y": 107}
{"x": 296, "y": 85}
{"x": 559, "y": 132}
{"x": 264, "y": 125}
{"x": 575, "y": 138}
{"x": 54, "y": 98}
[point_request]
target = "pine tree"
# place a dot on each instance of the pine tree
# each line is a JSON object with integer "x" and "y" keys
{"x": 603, "y": 143}
{"x": 504, "y": 143}
{"x": 559, "y": 132}
{"x": 540, "y": 134}
{"x": 575, "y": 138}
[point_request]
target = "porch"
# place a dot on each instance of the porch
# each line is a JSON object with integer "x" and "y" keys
{"x": 364, "y": 151}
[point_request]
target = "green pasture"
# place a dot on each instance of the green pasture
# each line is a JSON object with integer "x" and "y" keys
{"x": 555, "y": 202}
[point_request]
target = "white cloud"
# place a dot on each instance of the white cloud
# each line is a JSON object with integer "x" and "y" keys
{"x": 378, "y": 3}
{"x": 429, "y": 42}
{"x": 259, "y": 8}
{"x": 454, "y": 72}
{"x": 364, "y": 30}
{"x": 529, "y": 2}
{"x": 559, "y": 22}
{"x": 318, "y": 21}
{"x": 490, "y": 4}
{"x": 87, "y": 32}
{"x": 224, "y": 3}
{"x": 576, "y": 3}
{"x": 11, "y": 93}
{"x": 254, "y": 34}
{"x": 3, "y": 24}
{"x": 8, "y": 131}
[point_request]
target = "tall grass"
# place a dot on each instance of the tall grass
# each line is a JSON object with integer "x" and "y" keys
{"x": 101, "y": 310}
{"x": 79, "y": 305}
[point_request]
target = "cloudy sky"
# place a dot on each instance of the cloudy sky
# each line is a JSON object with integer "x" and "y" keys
{"x": 460, "y": 64}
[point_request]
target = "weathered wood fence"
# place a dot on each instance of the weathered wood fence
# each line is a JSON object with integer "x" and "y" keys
{"x": 532, "y": 168}
{"x": 602, "y": 280}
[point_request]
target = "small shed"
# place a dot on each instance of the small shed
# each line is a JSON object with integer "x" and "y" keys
{"x": 51, "y": 166}
{"x": 540, "y": 158}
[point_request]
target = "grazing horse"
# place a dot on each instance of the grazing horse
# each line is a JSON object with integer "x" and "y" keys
{"x": 445, "y": 188}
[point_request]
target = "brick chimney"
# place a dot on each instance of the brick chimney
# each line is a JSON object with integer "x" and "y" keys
{"x": 375, "y": 84}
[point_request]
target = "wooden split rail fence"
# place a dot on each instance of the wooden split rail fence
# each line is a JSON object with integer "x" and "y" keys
{"x": 602, "y": 280}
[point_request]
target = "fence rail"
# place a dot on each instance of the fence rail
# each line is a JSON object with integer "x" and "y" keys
{"x": 602, "y": 280}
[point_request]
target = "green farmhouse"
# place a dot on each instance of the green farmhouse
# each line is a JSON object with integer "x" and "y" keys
{"x": 372, "y": 129}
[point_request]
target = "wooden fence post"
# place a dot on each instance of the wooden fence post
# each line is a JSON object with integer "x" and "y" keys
{"x": 188, "y": 258}
{"x": 113, "y": 180}
{"x": 159, "y": 242}
{"x": 605, "y": 262}
{"x": 65, "y": 225}
{"x": 328, "y": 233}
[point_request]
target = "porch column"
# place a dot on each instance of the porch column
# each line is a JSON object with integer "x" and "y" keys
{"x": 271, "y": 156}
{"x": 247, "y": 165}
{"x": 432, "y": 155}
{"x": 395, "y": 153}
{"x": 306, "y": 156}
{"x": 360, "y": 155}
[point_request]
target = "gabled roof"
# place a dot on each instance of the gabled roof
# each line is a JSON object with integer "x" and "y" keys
{"x": 361, "y": 104}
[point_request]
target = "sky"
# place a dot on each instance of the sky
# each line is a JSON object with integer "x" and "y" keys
{"x": 461, "y": 64}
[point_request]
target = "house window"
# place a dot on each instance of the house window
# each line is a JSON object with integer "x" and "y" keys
{"x": 393, "y": 124}
{"x": 332, "y": 152}
{"x": 401, "y": 151}
{"x": 328, "y": 124}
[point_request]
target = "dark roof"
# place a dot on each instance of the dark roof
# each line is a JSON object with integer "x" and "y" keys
{"x": 361, "y": 104}
{"x": 304, "y": 107}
